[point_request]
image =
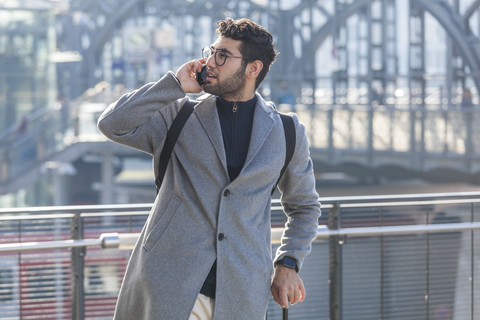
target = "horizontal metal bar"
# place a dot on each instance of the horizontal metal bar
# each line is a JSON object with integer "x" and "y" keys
{"x": 115, "y": 214}
{"x": 38, "y": 217}
{"x": 327, "y": 202}
{"x": 48, "y": 245}
{"x": 324, "y": 233}
{"x": 75, "y": 209}
{"x": 121, "y": 241}
{"x": 409, "y": 203}
{"x": 126, "y": 241}
{"x": 402, "y": 198}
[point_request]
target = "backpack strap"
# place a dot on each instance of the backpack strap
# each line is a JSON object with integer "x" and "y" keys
{"x": 172, "y": 136}
{"x": 290, "y": 141}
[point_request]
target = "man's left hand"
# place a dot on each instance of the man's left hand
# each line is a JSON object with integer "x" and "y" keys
{"x": 287, "y": 287}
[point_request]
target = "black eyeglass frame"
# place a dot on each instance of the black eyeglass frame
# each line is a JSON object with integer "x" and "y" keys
{"x": 214, "y": 53}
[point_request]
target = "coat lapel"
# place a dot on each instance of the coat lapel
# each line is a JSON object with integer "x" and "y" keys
{"x": 262, "y": 125}
{"x": 206, "y": 111}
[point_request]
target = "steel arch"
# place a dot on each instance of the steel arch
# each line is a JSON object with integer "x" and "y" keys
{"x": 122, "y": 10}
{"x": 455, "y": 25}
{"x": 467, "y": 43}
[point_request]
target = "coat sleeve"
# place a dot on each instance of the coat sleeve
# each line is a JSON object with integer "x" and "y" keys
{"x": 140, "y": 119}
{"x": 300, "y": 201}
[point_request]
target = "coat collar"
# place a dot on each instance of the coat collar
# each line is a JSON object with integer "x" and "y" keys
{"x": 262, "y": 125}
{"x": 207, "y": 113}
{"x": 263, "y": 122}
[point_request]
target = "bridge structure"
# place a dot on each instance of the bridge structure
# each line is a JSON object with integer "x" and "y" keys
{"x": 361, "y": 36}
{"x": 373, "y": 103}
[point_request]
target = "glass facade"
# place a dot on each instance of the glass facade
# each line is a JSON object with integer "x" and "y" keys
{"x": 27, "y": 76}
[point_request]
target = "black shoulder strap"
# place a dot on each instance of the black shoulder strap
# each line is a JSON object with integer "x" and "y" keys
{"x": 290, "y": 141}
{"x": 171, "y": 139}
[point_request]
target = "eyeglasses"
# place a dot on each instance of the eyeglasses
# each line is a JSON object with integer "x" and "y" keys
{"x": 220, "y": 56}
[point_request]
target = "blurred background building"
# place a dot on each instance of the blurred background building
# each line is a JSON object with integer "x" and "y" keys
{"x": 387, "y": 90}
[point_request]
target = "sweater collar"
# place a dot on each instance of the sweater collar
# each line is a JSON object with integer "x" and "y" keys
{"x": 241, "y": 106}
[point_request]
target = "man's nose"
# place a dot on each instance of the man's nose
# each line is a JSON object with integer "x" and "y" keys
{"x": 211, "y": 61}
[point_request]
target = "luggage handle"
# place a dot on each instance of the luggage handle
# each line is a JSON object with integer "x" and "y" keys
{"x": 284, "y": 314}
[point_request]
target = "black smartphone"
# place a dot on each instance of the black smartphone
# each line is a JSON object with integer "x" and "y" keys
{"x": 202, "y": 75}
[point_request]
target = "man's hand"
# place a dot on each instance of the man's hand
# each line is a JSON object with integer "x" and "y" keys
{"x": 287, "y": 287}
{"x": 187, "y": 76}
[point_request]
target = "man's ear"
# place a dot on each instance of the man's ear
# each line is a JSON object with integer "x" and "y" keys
{"x": 254, "y": 68}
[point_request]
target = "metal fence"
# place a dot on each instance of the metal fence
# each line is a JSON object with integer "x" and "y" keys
{"x": 380, "y": 257}
{"x": 416, "y": 139}
{"x": 419, "y": 139}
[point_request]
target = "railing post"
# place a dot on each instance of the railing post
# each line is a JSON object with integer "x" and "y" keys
{"x": 78, "y": 257}
{"x": 413, "y": 138}
{"x": 371, "y": 114}
{"x": 335, "y": 265}
{"x": 4, "y": 166}
{"x": 469, "y": 147}
{"x": 331, "y": 129}
{"x": 422, "y": 139}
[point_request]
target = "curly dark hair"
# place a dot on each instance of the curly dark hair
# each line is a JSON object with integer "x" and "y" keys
{"x": 257, "y": 42}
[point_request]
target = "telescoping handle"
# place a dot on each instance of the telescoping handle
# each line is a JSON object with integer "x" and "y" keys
{"x": 284, "y": 314}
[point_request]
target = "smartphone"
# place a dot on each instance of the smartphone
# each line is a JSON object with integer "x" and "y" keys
{"x": 202, "y": 75}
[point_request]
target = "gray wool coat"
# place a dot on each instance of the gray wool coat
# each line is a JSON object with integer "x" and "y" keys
{"x": 197, "y": 202}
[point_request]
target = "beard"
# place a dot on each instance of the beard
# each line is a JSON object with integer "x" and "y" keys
{"x": 229, "y": 87}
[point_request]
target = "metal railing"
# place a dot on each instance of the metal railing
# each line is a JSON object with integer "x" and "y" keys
{"x": 418, "y": 251}
{"x": 127, "y": 241}
{"x": 420, "y": 137}
{"x": 415, "y": 138}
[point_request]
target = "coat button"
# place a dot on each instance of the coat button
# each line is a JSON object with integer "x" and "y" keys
{"x": 227, "y": 192}
{"x": 221, "y": 236}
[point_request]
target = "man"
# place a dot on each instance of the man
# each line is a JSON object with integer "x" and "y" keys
{"x": 204, "y": 252}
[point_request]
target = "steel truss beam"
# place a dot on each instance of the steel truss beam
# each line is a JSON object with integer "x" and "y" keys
{"x": 97, "y": 22}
